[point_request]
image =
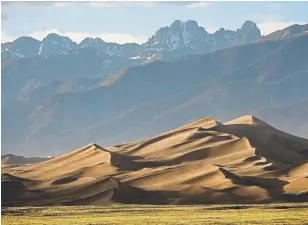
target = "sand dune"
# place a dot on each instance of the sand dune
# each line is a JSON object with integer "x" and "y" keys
{"x": 241, "y": 161}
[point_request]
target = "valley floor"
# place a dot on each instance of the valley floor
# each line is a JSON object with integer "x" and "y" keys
{"x": 291, "y": 214}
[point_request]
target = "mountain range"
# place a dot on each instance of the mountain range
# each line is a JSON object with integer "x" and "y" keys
{"x": 108, "y": 93}
{"x": 9, "y": 160}
{"x": 179, "y": 35}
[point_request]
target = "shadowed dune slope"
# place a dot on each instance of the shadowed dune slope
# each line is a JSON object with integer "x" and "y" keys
{"x": 205, "y": 162}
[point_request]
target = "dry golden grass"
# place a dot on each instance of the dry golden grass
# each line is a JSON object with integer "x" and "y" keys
{"x": 288, "y": 214}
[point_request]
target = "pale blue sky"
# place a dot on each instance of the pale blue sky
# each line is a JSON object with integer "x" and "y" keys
{"x": 136, "y": 21}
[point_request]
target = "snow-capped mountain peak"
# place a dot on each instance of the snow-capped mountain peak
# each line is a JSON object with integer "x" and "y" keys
{"x": 179, "y": 34}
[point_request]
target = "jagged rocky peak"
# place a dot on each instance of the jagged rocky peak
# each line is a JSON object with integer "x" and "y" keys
{"x": 248, "y": 24}
{"x": 181, "y": 26}
{"x": 125, "y": 50}
{"x": 21, "y": 47}
{"x": 223, "y": 38}
{"x": 179, "y": 34}
{"x": 95, "y": 43}
{"x": 89, "y": 40}
{"x": 159, "y": 36}
{"x": 177, "y": 24}
{"x": 54, "y": 43}
{"x": 57, "y": 37}
{"x": 128, "y": 50}
{"x": 220, "y": 31}
{"x": 192, "y": 24}
{"x": 248, "y": 32}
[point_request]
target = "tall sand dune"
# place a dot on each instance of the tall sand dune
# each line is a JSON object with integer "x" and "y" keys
{"x": 244, "y": 160}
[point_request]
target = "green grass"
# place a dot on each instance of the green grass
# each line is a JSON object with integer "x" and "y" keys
{"x": 145, "y": 214}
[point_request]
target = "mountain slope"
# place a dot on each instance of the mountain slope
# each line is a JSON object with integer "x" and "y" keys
{"x": 205, "y": 162}
{"x": 21, "y": 77}
{"x": 287, "y": 32}
{"x": 297, "y": 110}
{"x": 226, "y": 83}
{"x": 11, "y": 159}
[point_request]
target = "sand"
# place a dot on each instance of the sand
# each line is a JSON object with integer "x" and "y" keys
{"x": 205, "y": 162}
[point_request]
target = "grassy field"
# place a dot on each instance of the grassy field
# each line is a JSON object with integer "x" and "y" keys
{"x": 140, "y": 214}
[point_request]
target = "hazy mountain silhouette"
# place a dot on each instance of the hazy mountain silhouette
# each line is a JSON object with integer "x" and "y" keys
{"x": 140, "y": 101}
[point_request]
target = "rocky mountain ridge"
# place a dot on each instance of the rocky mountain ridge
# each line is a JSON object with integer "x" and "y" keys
{"x": 179, "y": 36}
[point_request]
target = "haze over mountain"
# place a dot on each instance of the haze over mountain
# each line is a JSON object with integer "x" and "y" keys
{"x": 243, "y": 161}
{"x": 10, "y": 159}
{"x": 109, "y": 93}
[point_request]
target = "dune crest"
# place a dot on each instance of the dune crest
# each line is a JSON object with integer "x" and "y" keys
{"x": 247, "y": 119}
{"x": 241, "y": 161}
